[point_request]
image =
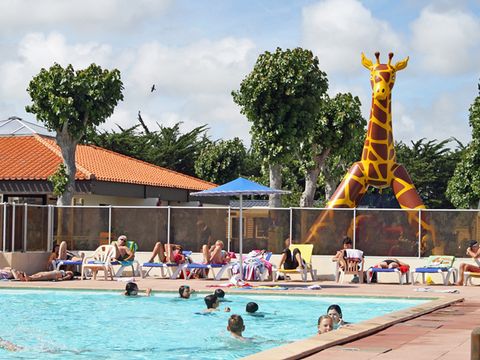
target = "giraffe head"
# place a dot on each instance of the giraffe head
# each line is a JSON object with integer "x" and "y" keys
{"x": 382, "y": 76}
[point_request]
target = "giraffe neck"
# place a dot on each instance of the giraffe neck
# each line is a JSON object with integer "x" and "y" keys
{"x": 378, "y": 144}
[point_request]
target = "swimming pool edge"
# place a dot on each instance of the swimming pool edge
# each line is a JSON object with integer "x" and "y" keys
{"x": 312, "y": 345}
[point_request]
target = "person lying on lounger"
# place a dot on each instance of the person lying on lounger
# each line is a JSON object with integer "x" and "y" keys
{"x": 215, "y": 254}
{"x": 54, "y": 275}
{"x": 60, "y": 252}
{"x": 291, "y": 260}
{"x": 390, "y": 263}
{"x": 168, "y": 253}
{"x": 122, "y": 251}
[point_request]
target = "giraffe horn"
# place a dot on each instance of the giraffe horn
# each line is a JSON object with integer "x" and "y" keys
{"x": 377, "y": 55}
{"x": 390, "y": 56}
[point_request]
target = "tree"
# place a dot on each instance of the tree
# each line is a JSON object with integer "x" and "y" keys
{"x": 281, "y": 97}
{"x": 222, "y": 161}
{"x": 430, "y": 165}
{"x": 166, "y": 147}
{"x": 70, "y": 102}
{"x": 464, "y": 186}
{"x": 338, "y": 125}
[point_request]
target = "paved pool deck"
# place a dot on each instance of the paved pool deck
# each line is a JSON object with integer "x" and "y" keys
{"x": 439, "y": 330}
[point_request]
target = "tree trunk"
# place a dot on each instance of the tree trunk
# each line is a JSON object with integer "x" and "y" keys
{"x": 68, "y": 147}
{"x": 311, "y": 177}
{"x": 330, "y": 187}
{"x": 275, "y": 183}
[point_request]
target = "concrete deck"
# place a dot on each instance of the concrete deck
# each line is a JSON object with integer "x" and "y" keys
{"x": 442, "y": 332}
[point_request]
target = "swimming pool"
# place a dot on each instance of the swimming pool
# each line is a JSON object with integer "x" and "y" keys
{"x": 52, "y": 324}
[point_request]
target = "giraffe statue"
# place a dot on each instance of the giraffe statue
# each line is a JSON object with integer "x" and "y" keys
{"x": 378, "y": 166}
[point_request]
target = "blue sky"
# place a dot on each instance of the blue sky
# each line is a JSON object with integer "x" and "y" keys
{"x": 197, "y": 52}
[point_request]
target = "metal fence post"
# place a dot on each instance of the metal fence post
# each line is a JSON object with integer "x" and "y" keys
{"x": 419, "y": 233}
{"x": 109, "y": 224}
{"x": 49, "y": 227}
{"x": 475, "y": 347}
{"x": 229, "y": 231}
{"x": 4, "y": 227}
{"x": 354, "y": 228}
{"x": 168, "y": 225}
{"x": 291, "y": 225}
{"x": 25, "y": 215}
{"x": 13, "y": 227}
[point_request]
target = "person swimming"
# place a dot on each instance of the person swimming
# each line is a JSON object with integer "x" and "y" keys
{"x": 335, "y": 312}
{"x": 131, "y": 289}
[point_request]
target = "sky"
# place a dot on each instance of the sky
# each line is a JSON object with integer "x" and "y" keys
{"x": 197, "y": 51}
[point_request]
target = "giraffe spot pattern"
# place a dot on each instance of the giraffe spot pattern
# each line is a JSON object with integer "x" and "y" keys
{"x": 379, "y": 114}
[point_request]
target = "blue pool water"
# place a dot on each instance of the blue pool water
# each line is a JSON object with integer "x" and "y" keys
{"x": 52, "y": 324}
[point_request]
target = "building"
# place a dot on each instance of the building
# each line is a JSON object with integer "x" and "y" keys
{"x": 29, "y": 155}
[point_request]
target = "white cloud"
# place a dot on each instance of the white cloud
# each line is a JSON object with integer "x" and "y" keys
{"x": 338, "y": 31}
{"x": 79, "y": 14}
{"x": 447, "y": 40}
{"x": 39, "y": 50}
{"x": 202, "y": 67}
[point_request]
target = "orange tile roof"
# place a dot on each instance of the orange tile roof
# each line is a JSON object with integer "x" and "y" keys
{"x": 36, "y": 158}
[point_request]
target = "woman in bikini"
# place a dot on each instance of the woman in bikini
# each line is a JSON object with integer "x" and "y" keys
{"x": 390, "y": 263}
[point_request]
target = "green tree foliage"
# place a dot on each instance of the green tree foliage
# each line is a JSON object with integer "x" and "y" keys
{"x": 221, "y": 161}
{"x": 335, "y": 134}
{"x": 71, "y": 103}
{"x": 166, "y": 147}
{"x": 464, "y": 186}
{"x": 430, "y": 165}
{"x": 281, "y": 97}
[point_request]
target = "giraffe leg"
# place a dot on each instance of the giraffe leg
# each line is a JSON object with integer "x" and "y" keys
{"x": 408, "y": 198}
{"x": 347, "y": 195}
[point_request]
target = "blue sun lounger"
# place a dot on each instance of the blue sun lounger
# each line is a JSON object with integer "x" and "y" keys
{"x": 402, "y": 277}
{"x": 437, "y": 264}
{"x": 173, "y": 269}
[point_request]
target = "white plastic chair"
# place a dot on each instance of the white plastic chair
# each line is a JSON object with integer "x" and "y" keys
{"x": 100, "y": 260}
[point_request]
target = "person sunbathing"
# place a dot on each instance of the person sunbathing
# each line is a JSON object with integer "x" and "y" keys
{"x": 473, "y": 250}
{"x": 122, "y": 251}
{"x": 390, "y": 263}
{"x": 60, "y": 252}
{"x": 171, "y": 253}
{"x": 215, "y": 254}
{"x": 7, "y": 273}
{"x": 54, "y": 275}
{"x": 291, "y": 260}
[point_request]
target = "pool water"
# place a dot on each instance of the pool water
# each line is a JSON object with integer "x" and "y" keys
{"x": 51, "y": 324}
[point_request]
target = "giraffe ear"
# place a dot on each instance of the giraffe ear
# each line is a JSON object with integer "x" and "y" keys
{"x": 401, "y": 64}
{"x": 366, "y": 62}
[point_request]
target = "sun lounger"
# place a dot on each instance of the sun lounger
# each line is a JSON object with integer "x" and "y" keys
{"x": 204, "y": 268}
{"x": 100, "y": 260}
{"x": 173, "y": 269}
{"x": 233, "y": 266}
{"x": 403, "y": 276}
{"x": 437, "y": 264}
{"x": 306, "y": 251}
{"x": 133, "y": 246}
